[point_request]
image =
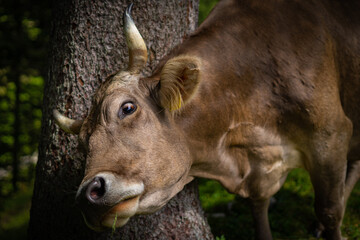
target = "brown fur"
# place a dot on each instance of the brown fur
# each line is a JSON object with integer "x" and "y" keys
{"x": 263, "y": 87}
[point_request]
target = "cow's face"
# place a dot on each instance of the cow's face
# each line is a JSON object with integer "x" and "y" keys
{"x": 136, "y": 157}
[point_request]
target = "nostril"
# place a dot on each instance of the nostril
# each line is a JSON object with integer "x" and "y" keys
{"x": 96, "y": 189}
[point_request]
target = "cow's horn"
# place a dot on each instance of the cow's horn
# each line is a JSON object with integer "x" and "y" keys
{"x": 67, "y": 124}
{"x": 135, "y": 43}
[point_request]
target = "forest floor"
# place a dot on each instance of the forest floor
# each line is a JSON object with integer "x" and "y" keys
{"x": 291, "y": 214}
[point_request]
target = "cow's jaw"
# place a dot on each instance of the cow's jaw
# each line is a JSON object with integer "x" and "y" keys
{"x": 120, "y": 214}
{"x": 122, "y": 199}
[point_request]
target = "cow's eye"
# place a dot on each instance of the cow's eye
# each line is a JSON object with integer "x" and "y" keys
{"x": 127, "y": 109}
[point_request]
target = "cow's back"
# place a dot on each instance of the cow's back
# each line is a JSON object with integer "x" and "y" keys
{"x": 283, "y": 43}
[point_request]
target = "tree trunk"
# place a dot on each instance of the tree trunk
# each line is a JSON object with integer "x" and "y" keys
{"x": 87, "y": 45}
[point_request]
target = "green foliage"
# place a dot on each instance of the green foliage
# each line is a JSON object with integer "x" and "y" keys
{"x": 14, "y": 213}
{"x": 220, "y": 238}
{"x": 205, "y": 7}
{"x": 23, "y": 46}
{"x": 351, "y": 223}
{"x": 213, "y": 194}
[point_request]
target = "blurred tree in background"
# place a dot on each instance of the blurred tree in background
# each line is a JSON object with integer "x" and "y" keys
{"x": 23, "y": 45}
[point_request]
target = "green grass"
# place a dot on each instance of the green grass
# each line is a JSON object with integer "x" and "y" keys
{"x": 291, "y": 217}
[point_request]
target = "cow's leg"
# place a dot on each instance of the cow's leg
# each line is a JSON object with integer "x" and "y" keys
{"x": 329, "y": 200}
{"x": 352, "y": 176}
{"x": 259, "y": 209}
{"x": 328, "y": 173}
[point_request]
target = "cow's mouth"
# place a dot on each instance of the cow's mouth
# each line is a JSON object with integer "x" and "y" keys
{"x": 120, "y": 214}
{"x": 107, "y": 200}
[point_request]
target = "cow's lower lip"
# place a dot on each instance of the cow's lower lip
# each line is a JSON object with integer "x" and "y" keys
{"x": 120, "y": 214}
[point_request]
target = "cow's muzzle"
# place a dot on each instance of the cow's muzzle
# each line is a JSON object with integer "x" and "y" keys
{"x": 107, "y": 200}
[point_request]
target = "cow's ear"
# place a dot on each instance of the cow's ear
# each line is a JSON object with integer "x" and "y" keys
{"x": 178, "y": 82}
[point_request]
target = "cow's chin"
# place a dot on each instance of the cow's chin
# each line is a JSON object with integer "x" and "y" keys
{"x": 120, "y": 214}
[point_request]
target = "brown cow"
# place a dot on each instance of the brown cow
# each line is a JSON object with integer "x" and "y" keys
{"x": 261, "y": 88}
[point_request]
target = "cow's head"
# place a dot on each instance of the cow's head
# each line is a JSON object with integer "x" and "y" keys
{"x": 137, "y": 160}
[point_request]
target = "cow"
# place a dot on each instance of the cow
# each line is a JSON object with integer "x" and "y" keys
{"x": 259, "y": 89}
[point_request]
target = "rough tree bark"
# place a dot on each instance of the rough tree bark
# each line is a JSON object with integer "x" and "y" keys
{"x": 87, "y": 46}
